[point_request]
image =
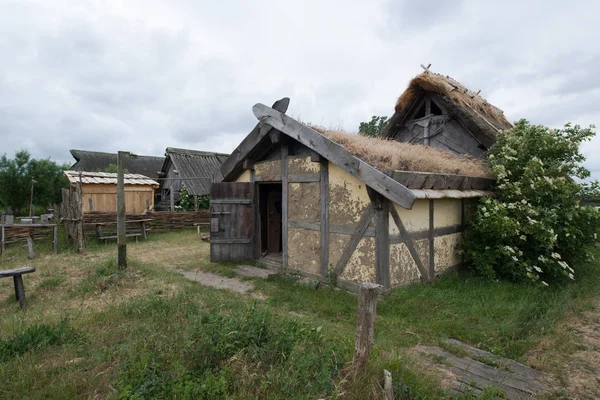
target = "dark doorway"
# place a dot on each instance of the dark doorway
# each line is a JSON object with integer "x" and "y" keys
{"x": 270, "y": 217}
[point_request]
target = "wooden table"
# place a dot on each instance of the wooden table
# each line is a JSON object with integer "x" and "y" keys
{"x": 141, "y": 222}
{"x": 54, "y": 227}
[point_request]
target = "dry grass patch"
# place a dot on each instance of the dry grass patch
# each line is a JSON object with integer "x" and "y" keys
{"x": 388, "y": 155}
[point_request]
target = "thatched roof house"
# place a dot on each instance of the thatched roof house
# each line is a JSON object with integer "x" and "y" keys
{"x": 190, "y": 169}
{"x": 436, "y": 110}
{"x": 329, "y": 204}
{"x": 98, "y": 162}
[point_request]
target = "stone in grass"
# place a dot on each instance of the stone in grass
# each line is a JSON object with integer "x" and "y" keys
{"x": 253, "y": 272}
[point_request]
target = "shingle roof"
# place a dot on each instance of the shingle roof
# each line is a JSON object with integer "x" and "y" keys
{"x": 196, "y": 169}
{"x": 107, "y": 178}
{"x": 98, "y": 161}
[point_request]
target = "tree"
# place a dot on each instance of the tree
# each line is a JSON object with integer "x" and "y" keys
{"x": 535, "y": 228}
{"x": 15, "y": 181}
{"x": 373, "y": 127}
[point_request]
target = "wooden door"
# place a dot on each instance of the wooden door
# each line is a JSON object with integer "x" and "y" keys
{"x": 232, "y": 222}
{"x": 274, "y": 222}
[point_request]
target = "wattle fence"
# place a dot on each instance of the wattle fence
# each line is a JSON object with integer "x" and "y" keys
{"x": 162, "y": 221}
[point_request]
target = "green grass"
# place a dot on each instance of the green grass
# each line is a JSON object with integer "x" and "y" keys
{"x": 147, "y": 332}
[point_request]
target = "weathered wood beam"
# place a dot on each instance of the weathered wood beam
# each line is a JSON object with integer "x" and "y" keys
{"x": 335, "y": 153}
{"x": 324, "y": 216}
{"x": 431, "y": 242}
{"x": 362, "y": 226}
{"x": 381, "y": 205}
{"x": 284, "y": 204}
{"x": 248, "y": 164}
{"x": 250, "y": 142}
{"x": 365, "y": 326}
{"x": 409, "y": 243}
{"x": 425, "y": 180}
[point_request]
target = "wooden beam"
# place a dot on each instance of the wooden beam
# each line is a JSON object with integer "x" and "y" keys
{"x": 248, "y": 164}
{"x": 425, "y": 180}
{"x": 324, "y": 216}
{"x": 315, "y": 157}
{"x": 362, "y": 226}
{"x": 274, "y": 136}
{"x": 121, "y": 230}
{"x": 365, "y": 326}
{"x": 335, "y": 153}
{"x": 250, "y": 142}
{"x": 431, "y": 242}
{"x": 284, "y": 205}
{"x": 382, "y": 238}
{"x": 409, "y": 243}
{"x": 304, "y": 178}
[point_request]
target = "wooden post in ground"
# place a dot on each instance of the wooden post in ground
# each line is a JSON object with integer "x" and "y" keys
{"x": 78, "y": 214}
{"x": 387, "y": 385}
{"x": 365, "y": 325}
{"x": 172, "y": 200}
{"x": 30, "y": 247}
{"x": 121, "y": 237}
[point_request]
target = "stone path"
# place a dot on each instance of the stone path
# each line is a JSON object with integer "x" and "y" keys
{"x": 474, "y": 370}
{"x": 233, "y": 284}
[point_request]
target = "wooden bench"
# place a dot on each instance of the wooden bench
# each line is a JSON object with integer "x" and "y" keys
{"x": 107, "y": 238}
{"x": 199, "y": 224}
{"x": 18, "y": 281}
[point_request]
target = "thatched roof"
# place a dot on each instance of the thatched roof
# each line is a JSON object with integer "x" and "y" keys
{"x": 389, "y": 155}
{"x": 98, "y": 161}
{"x": 195, "y": 168}
{"x": 482, "y": 118}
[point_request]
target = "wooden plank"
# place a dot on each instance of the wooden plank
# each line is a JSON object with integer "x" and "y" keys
{"x": 55, "y": 239}
{"x": 324, "y": 216}
{"x": 409, "y": 243}
{"x": 231, "y": 201}
{"x": 250, "y": 142}
{"x": 17, "y": 271}
{"x": 303, "y": 178}
{"x": 420, "y": 180}
{"x": 341, "y": 229}
{"x": 431, "y": 242}
{"x": 335, "y": 153}
{"x": 382, "y": 240}
{"x": 20, "y": 291}
{"x": 275, "y": 178}
{"x": 284, "y": 205}
{"x": 362, "y": 226}
{"x": 519, "y": 368}
{"x": 30, "y": 247}
{"x": 2, "y": 240}
{"x": 233, "y": 241}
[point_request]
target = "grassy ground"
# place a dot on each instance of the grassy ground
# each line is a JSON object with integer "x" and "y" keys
{"x": 93, "y": 332}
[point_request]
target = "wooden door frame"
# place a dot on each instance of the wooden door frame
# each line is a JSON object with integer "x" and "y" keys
{"x": 259, "y": 222}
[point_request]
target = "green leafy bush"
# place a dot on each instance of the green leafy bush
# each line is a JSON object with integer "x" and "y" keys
{"x": 186, "y": 201}
{"x": 535, "y": 229}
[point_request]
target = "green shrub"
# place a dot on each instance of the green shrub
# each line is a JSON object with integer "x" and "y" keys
{"x": 36, "y": 337}
{"x": 535, "y": 228}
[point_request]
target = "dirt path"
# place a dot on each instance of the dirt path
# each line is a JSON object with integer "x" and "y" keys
{"x": 574, "y": 355}
{"x": 217, "y": 281}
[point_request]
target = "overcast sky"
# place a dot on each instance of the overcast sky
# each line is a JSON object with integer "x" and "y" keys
{"x": 146, "y": 75}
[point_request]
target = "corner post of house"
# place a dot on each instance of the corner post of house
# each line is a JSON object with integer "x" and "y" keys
{"x": 284, "y": 203}
{"x": 324, "y": 216}
{"x": 381, "y": 205}
{"x": 431, "y": 241}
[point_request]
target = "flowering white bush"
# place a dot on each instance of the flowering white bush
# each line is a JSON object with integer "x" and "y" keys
{"x": 535, "y": 228}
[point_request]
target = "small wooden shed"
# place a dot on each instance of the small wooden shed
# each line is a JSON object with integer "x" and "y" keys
{"x": 100, "y": 191}
{"x": 436, "y": 110}
{"x": 332, "y": 205}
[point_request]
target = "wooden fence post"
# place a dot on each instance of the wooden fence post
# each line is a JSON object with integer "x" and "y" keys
{"x": 365, "y": 325}
{"x": 121, "y": 233}
{"x": 78, "y": 213}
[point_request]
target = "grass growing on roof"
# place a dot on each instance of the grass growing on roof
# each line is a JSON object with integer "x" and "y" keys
{"x": 387, "y": 155}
